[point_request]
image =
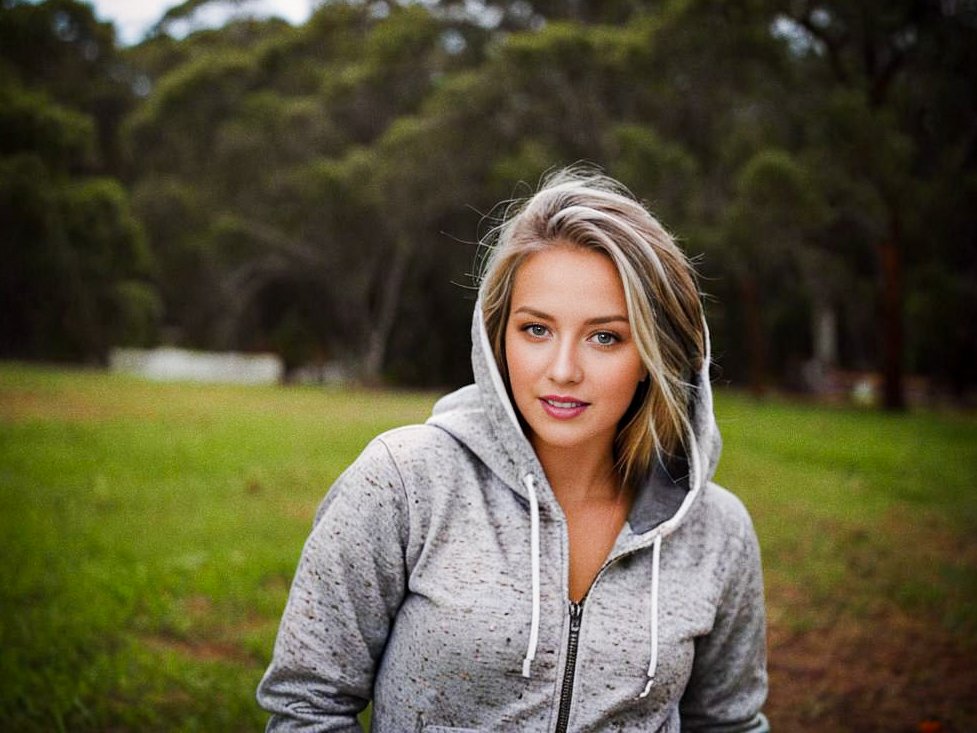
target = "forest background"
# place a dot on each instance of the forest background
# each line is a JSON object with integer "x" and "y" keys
{"x": 318, "y": 190}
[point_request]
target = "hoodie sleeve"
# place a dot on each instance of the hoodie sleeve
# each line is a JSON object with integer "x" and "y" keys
{"x": 728, "y": 684}
{"x": 348, "y": 586}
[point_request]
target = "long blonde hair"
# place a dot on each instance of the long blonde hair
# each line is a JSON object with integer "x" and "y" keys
{"x": 585, "y": 208}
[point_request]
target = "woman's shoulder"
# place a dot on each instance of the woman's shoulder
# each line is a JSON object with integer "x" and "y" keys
{"x": 420, "y": 441}
{"x": 419, "y": 453}
{"x": 724, "y": 511}
{"x": 719, "y": 539}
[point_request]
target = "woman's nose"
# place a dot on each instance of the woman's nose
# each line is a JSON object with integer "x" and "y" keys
{"x": 565, "y": 366}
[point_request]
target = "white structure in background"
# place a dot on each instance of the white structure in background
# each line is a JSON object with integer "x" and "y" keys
{"x": 168, "y": 363}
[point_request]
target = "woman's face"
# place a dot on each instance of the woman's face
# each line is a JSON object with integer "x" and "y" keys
{"x": 573, "y": 364}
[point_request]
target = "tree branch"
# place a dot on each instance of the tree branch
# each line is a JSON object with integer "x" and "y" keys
{"x": 832, "y": 44}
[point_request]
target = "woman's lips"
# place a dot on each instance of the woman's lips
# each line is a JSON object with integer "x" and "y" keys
{"x": 562, "y": 408}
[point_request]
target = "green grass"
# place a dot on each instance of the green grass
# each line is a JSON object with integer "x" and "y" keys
{"x": 148, "y": 532}
{"x": 857, "y": 509}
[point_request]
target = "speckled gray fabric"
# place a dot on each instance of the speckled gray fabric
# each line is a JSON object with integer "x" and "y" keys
{"x": 414, "y": 590}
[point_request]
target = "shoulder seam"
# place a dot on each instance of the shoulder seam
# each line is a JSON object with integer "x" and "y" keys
{"x": 403, "y": 484}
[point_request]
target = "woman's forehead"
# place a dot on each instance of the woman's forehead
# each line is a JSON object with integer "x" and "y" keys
{"x": 569, "y": 281}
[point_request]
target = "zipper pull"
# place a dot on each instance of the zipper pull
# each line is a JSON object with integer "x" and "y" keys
{"x": 576, "y": 614}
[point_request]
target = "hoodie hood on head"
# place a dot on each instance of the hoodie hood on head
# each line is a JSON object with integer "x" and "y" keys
{"x": 482, "y": 417}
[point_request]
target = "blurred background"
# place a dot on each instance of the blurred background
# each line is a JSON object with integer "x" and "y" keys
{"x": 219, "y": 178}
{"x": 280, "y": 191}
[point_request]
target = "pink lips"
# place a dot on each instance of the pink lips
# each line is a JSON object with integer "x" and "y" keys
{"x": 565, "y": 408}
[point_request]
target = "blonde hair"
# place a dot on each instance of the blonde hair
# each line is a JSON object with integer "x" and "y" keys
{"x": 584, "y": 208}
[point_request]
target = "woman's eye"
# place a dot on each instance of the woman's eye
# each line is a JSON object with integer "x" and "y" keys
{"x": 605, "y": 338}
{"x": 536, "y": 330}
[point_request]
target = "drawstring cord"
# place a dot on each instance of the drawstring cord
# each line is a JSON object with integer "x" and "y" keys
{"x": 530, "y": 483}
{"x": 653, "y": 664}
{"x": 534, "y": 542}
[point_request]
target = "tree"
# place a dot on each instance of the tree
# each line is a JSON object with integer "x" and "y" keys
{"x": 277, "y": 163}
{"x": 77, "y": 274}
{"x": 876, "y": 64}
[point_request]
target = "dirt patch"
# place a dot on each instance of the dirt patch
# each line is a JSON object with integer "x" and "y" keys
{"x": 212, "y": 634}
{"x": 72, "y": 407}
{"x": 887, "y": 673}
{"x": 301, "y": 510}
{"x": 865, "y": 657}
{"x": 203, "y": 650}
{"x": 197, "y": 605}
{"x": 928, "y": 535}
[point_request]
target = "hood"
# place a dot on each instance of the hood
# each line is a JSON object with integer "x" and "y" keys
{"x": 482, "y": 417}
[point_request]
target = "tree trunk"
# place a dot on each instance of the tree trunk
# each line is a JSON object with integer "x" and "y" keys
{"x": 383, "y": 320}
{"x": 825, "y": 332}
{"x": 890, "y": 260}
{"x": 754, "y": 334}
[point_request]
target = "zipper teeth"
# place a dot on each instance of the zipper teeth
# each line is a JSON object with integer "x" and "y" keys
{"x": 576, "y": 616}
{"x": 563, "y": 718}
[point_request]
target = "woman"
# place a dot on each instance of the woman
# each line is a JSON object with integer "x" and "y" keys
{"x": 547, "y": 552}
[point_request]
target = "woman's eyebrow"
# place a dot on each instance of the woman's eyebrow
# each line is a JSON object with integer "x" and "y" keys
{"x": 533, "y": 312}
{"x": 599, "y": 320}
{"x": 605, "y": 319}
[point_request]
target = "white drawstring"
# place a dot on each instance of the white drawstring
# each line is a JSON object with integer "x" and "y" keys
{"x": 534, "y": 543}
{"x": 530, "y": 483}
{"x": 653, "y": 664}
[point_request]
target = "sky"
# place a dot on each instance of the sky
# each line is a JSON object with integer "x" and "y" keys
{"x": 133, "y": 18}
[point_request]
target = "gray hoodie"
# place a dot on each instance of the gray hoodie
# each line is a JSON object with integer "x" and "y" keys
{"x": 435, "y": 583}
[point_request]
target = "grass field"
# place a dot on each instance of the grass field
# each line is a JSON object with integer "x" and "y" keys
{"x": 148, "y": 533}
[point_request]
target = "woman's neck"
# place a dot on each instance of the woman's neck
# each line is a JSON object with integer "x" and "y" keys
{"x": 579, "y": 475}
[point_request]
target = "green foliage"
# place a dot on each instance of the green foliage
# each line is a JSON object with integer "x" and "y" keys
{"x": 77, "y": 270}
{"x": 30, "y": 122}
{"x": 661, "y": 171}
{"x": 175, "y": 128}
{"x": 792, "y": 147}
{"x": 138, "y": 311}
{"x": 77, "y": 266}
{"x": 97, "y": 216}
{"x": 59, "y": 46}
{"x": 776, "y": 207}
{"x": 524, "y": 165}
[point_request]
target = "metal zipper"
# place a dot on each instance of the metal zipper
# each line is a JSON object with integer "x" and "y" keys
{"x": 576, "y": 616}
{"x": 563, "y": 718}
